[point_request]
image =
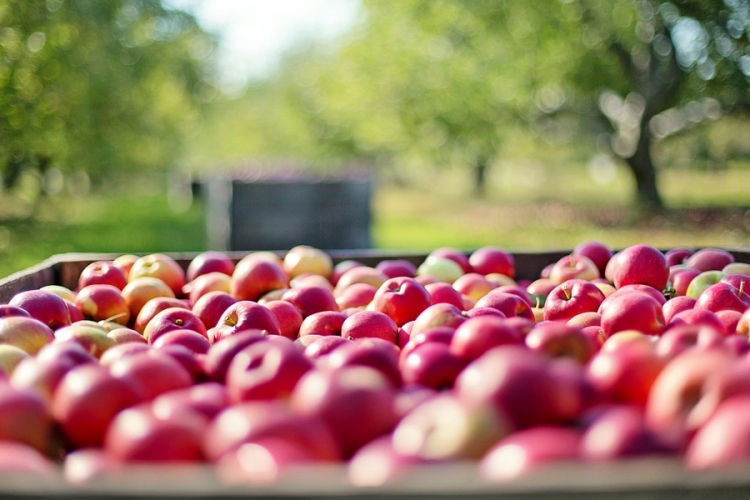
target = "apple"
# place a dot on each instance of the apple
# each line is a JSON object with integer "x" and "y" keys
{"x": 122, "y": 350}
{"x": 191, "y": 339}
{"x": 87, "y": 399}
{"x": 585, "y": 319}
{"x": 322, "y": 323}
{"x": 210, "y": 261}
{"x": 25, "y": 418}
{"x": 88, "y": 466}
{"x": 702, "y": 317}
{"x": 288, "y": 317}
{"x": 723, "y": 439}
{"x": 632, "y": 311}
{"x": 657, "y": 295}
{"x": 245, "y": 315}
{"x": 511, "y": 305}
{"x": 311, "y": 299}
{"x": 221, "y": 353}
{"x": 140, "y": 435}
{"x": 26, "y": 333}
{"x": 211, "y": 306}
{"x": 722, "y": 296}
{"x": 161, "y": 266}
{"x": 621, "y": 431}
{"x": 205, "y": 283}
{"x": 104, "y": 272}
{"x": 369, "y": 324}
{"x": 638, "y": 264}
{"x": 478, "y": 335}
{"x": 681, "y": 280}
{"x": 709, "y": 259}
{"x": 125, "y": 335}
{"x": 207, "y": 399}
{"x": 103, "y": 302}
{"x": 573, "y": 267}
{"x": 539, "y": 289}
{"x": 377, "y": 463}
{"x": 356, "y": 403}
{"x": 140, "y": 290}
{"x": 431, "y": 364}
{"x": 10, "y": 357}
{"x": 152, "y": 372}
{"x": 341, "y": 267}
{"x": 153, "y": 307}
{"x": 702, "y": 281}
{"x": 442, "y": 314}
{"x": 8, "y": 310}
{"x": 489, "y": 259}
{"x": 598, "y": 252}
{"x": 474, "y": 285}
{"x": 675, "y": 305}
{"x": 742, "y": 268}
{"x": 323, "y": 346}
{"x": 678, "y": 255}
{"x": 26, "y": 462}
{"x": 558, "y": 339}
{"x": 528, "y": 450}
{"x": 357, "y": 295}
{"x": 519, "y": 383}
{"x": 730, "y": 319}
{"x": 458, "y": 256}
{"x": 373, "y": 353}
{"x": 360, "y": 274}
{"x": 306, "y": 259}
{"x": 44, "y": 306}
{"x": 265, "y": 370}
{"x": 173, "y": 318}
{"x": 401, "y": 298}
{"x": 681, "y": 337}
{"x": 394, "y": 268}
{"x": 443, "y": 269}
{"x": 574, "y": 296}
{"x": 445, "y": 293}
{"x": 254, "y": 277}
{"x": 125, "y": 262}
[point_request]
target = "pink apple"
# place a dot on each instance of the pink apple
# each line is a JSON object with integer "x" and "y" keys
{"x": 209, "y": 261}
{"x": 701, "y": 317}
{"x": 722, "y": 296}
{"x": 558, "y": 339}
{"x": 245, "y": 315}
{"x": 159, "y": 266}
{"x": 207, "y": 399}
{"x": 211, "y": 306}
{"x": 478, "y": 335}
{"x": 431, "y": 364}
{"x": 191, "y": 339}
{"x": 357, "y": 295}
{"x": 572, "y": 297}
{"x": 675, "y": 305}
{"x": 709, "y": 259}
{"x": 221, "y": 353}
{"x": 639, "y": 264}
{"x": 442, "y": 292}
{"x": 488, "y": 259}
{"x": 723, "y": 440}
{"x": 323, "y": 346}
{"x": 598, "y": 252}
{"x": 44, "y": 306}
{"x": 103, "y": 272}
{"x": 322, "y": 323}
{"x": 676, "y": 256}
{"x": 730, "y": 319}
{"x": 152, "y": 372}
{"x": 173, "y": 318}
{"x": 153, "y": 307}
{"x": 511, "y": 305}
{"x": 24, "y": 461}
{"x": 341, "y": 267}
{"x": 632, "y": 311}
{"x": 474, "y": 285}
{"x": 254, "y": 277}
{"x": 620, "y": 432}
{"x": 402, "y": 298}
{"x": 205, "y": 283}
{"x": 25, "y": 418}
{"x": 360, "y": 274}
{"x": 573, "y": 267}
{"x": 311, "y": 299}
{"x": 377, "y": 463}
{"x": 373, "y": 353}
{"x": 124, "y": 335}
{"x": 394, "y": 268}
{"x": 681, "y": 337}
{"x": 369, "y": 324}
{"x": 288, "y": 317}
{"x": 87, "y": 466}
{"x": 442, "y": 314}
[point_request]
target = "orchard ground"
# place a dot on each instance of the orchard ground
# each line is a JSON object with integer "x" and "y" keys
{"x": 526, "y": 209}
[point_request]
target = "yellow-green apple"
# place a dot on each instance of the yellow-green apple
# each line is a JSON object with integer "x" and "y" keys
{"x": 442, "y": 292}
{"x": 91, "y": 337}
{"x": 356, "y": 295}
{"x": 61, "y": 291}
{"x": 489, "y": 259}
{"x": 140, "y": 290}
{"x": 599, "y": 253}
{"x": 10, "y": 357}
{"x": 44, "y": 306}
{"x": 124, "y": 335}
{"x": 675, "y": 305}
{"x": 709, "y": 259}
{"x": 25, "y": 333}
{"x": 140, "y": 435}
{"x": 393, "y": 268}
{"x": 341, "y": 267}
{"x": 103, "y": 302}
{"x": 678, "y": 255}
{"x": 25, "y": 418}
{"x": 209, "y": 282}
{"x": 723, "y": 440}
{"x": 306, "y": 259}
{"x": 173, "y": 318}
{"x": 265, "y": 371}
{"x": 244, "y": 315}
{"x": 288, "y": 316}
{"x": 619, "y": 432}
{"x": 151, "y": 372}
{"x": 210, "y": 261}
{"x": 322, "y": 323}
{"x": 572, "y": 297}
{"x": 445, "y": 428}
{"x": 401, "y": 298}
{"x": 328, "y": 394}
{"x": 375, "y": 353}
{"x": 211, "y": 306}
{"x": 631, "y": 311}
{"x": 742, "y": 268}
{"x": 458, "y": 256}
{"x": 573, "y": 267}
{"x": 556, "y": 339}
{"x": 254, "y": 277}
{"x": 722, "y": 296}
{"x": 87, "y": 399}
{"x": 125, "y": 262}
{"x": 311, "y": 299}
{"x": 360, "y": 274}
{"x": 474, "y": 285}
{"x": 477, "y": 335}
{"x": 626, "y": 373}
{"x": 641, "y": 264}
{"x": 103, "y": 272}
{"x": 161, "y": 266}
{"x": 521, "y": 453}
{"x": 221, "y": 353}
{"x": 191, "y": 339}
{"x": 519, "y": 383}
{"x": 442, "y": 269}
{"x": 510, "y": 304}
{"x": 431, "y": 364}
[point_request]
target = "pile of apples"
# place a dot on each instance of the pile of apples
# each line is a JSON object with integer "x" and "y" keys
{"x": 259, "y": 366}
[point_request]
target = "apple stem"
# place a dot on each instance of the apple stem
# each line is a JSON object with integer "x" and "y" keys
{"x": 112, "y": 318}
{"x": 572, "y": 262}
{"x": 742, "y": 287}
{"x": 567, "y": 291}
{"x": 538, "y": 302}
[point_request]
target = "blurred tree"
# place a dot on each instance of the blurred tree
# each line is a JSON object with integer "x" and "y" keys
{"x": 438, "y": 81}
{"x": 96, "y": 86}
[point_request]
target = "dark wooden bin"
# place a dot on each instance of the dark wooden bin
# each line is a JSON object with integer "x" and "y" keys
{"x": 633, "y": 479}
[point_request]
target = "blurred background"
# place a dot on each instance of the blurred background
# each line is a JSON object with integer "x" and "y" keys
{"x": 134, "y": 126}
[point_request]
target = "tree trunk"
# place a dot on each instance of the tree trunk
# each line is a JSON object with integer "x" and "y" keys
{"x": 644, "y": 173}
{"x": 480, "y": 177}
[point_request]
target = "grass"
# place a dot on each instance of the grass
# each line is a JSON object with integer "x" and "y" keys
{"x": 527, "y": 207}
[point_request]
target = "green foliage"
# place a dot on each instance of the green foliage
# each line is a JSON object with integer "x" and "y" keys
{"x": 98, "y": 86}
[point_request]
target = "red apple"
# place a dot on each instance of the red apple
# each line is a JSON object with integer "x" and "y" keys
{"x": 478, "y": 335}
{"x": 488, "y": 259}
{"x": 632, "y": 311}
{"x": 44, "y": 306}
{"x": 323, "y": 346}
{"x": 619, "y": 432}
{"x": 125, "y": 262}
{"x": 681, "y": 280}
{"x": 87, "y": 466}
{"x": 288, "y": 317}
{"x": 341, "y": 267}
{"x": 639, "y": 264}
{"x": 558, "y": 339}
{"x": 102, "y": 302}
{"x": 444, "y": 293}
{"x": 373, "y": 353}
{"x": 173, "y": 318}
{"x": 25, "y": 333}
{"x": 377, "y": 463}
{"x": 572, "y": 297}
{"x": 458, "y": 256}
{"x": 723, "y": 296}
{"x": 322, "y": 323}
{"x": 676, "y": 256}
{"x": 369, "y": 324}
{"x": 573, "y": 267}
{"x": 191, "y": 339}
{"x": 221, "y": 353}
{"x": 442, "y": 314}
{"x": 701, "y": 317}
{"x": 141, "y": 290}
{"x": 431, "y": 364}
{"x": 709, "y": 259}
{"x": 205, "y": 283}
{"x": 25, "y": 418}
{"x": 360, "y": 274}
{"x": 473, "y": 285}
{"x": 245, "y": 315}
{"x": 675, "y": 305}
{"x": 209, "y": 261}
{"x": 394, "y": 268}
{"x": 357, "y": 295}
{"x": 681, "y": 337}
{"x": 311, "y": 299}
{"x": 102, "y": 272}
{"x": 210, "y": 307}
{"x": 254, "y": 277}
{"x": 723, "y": 440}
{"x": 509, "y": 304}
{"x": 153, "y": 307}
{"x": 442, "y": 269}
{"x": 402, "y": 298}
{"x": 159, "y": 266}
{"x": 598, "y": 252}
{"x": 8, "y": 310}
{"x": 26, "y": 462}
{"x": 152, "y": 372}
{"x": 125, "y": 335}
